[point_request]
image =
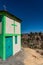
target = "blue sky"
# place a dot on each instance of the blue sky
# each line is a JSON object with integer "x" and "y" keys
{"x": 30, "y": 11}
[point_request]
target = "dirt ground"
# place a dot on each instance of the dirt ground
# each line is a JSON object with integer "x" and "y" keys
{"x": 26, "y": 56}
{"x": 17, "y": 59}
{"x": 32, "y": 57}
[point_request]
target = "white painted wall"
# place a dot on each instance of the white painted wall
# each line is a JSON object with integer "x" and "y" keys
{"x": 9, "y": 27}
{"x": 16, "y": 47}
{"x": 0, "y": 27}
{"x": 17, "y": 28}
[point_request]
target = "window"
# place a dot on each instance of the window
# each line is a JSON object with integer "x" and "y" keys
{"x": 15, "y": 39}
{"x": 0, "y": 18}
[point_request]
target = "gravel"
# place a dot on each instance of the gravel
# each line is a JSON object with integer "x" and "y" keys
{"x": 17, "y": 59}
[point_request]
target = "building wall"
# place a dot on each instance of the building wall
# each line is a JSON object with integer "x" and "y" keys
{"x": 9, "y": 27}
{"x": 16, "y": 47}
{"x": 17, "y": 28}
{"x": 1, "y": 47}
{"x": 14, "y": 30}
{"x": 0, "y": 27}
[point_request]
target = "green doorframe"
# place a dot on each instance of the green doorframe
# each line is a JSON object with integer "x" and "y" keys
{"x": 3, "y": 34}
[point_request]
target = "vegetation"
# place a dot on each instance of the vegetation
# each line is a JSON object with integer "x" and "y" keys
{"x": 33, "y": 40}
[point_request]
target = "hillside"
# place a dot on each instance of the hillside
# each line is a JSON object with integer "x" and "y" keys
{"x": 33, "y": 40}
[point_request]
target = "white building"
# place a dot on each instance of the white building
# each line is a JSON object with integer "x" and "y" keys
{"x": 10, "y": 34}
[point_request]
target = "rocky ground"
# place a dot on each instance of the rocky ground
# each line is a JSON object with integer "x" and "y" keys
{"x": 26, "y": 56}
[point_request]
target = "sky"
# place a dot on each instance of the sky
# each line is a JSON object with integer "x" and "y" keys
{"x": 29, "y": 11}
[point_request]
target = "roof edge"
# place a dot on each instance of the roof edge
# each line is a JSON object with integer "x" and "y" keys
{"x": 6, "y": 12}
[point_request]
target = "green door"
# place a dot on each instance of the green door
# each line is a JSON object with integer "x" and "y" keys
{"x": 9, "y": 46}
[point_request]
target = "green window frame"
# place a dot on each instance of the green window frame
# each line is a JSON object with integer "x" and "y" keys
{"x": 15, "y": 39}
